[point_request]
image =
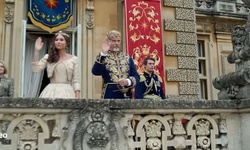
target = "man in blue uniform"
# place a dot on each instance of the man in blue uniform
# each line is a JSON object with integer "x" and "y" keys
{"x": 150, "y": 84}
{"x": 116, "y": 68}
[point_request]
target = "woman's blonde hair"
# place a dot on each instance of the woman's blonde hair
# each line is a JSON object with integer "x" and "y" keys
{"x": 5, "y": 69}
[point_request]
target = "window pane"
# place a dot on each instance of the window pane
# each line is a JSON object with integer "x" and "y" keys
{"x": 200, "y": 48}
{"x": 202, "y": 67}
{"x": 203, "y": 89}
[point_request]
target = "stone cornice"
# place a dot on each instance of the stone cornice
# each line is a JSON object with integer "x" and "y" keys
{"x": 221, "y": 8}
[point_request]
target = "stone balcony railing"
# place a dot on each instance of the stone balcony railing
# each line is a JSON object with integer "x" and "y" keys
{"x": 59, "y": 124}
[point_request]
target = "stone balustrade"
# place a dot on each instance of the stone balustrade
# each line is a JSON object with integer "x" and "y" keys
{"x": 59, "y": 124}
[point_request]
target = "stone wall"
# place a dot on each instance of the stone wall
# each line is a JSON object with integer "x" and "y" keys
{"x": 181, "y": 76}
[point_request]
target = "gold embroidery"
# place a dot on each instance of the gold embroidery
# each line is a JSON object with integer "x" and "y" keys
{"x": 118, "y": 65}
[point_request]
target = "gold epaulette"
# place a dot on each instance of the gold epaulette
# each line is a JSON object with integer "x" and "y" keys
{"x": 142, "y": 78}
{"x": 159, "y": 78}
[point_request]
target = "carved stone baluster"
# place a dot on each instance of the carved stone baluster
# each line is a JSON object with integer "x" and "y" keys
{"x": 179, "y": 131}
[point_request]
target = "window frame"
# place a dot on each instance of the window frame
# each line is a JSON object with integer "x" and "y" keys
{"x": 205, "y": 79}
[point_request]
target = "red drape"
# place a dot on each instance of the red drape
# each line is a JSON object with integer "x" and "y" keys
{"x": 144, "y": 33}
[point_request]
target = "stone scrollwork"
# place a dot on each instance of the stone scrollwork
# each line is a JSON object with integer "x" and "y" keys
{"x": 9, "y": 11}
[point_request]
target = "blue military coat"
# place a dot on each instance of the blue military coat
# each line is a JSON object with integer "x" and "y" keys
{"x": 114, "y": 66}
{"x": 150, "y": 84}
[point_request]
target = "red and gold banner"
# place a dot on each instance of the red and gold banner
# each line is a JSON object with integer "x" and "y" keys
{"x": 144, "y": 33}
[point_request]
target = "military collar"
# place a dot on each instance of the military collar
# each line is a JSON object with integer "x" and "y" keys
{"x": 148, "y": 73}
{"x": 113, "y": 53}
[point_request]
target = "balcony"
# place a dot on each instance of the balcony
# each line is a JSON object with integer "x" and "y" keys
{"x": 59, "y": 124}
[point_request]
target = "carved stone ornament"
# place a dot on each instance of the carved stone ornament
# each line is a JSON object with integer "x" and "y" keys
{"x": 203, "y": 142}
{"x": 90, "y": 14}
{"x": 28, "y": 134}
{"x": 9, "y": 11}
{"x": 203, "y": 27}
{"x": 222, "y": 124}
{"x": 90, "y": 5}
{"x": 153, "y": 128}
{"x": 28, "y": 130}
{"x": 90, "y": 20}
{"x": 224, "y": 27}
{"x": 202, "y": 127}
{"x": 97, "y": 129}
{"x": 205, "y": 5}
{"x": 28, "y": 145}
{"x": 242, "y": 9}
{"x": 154, "y": 144}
